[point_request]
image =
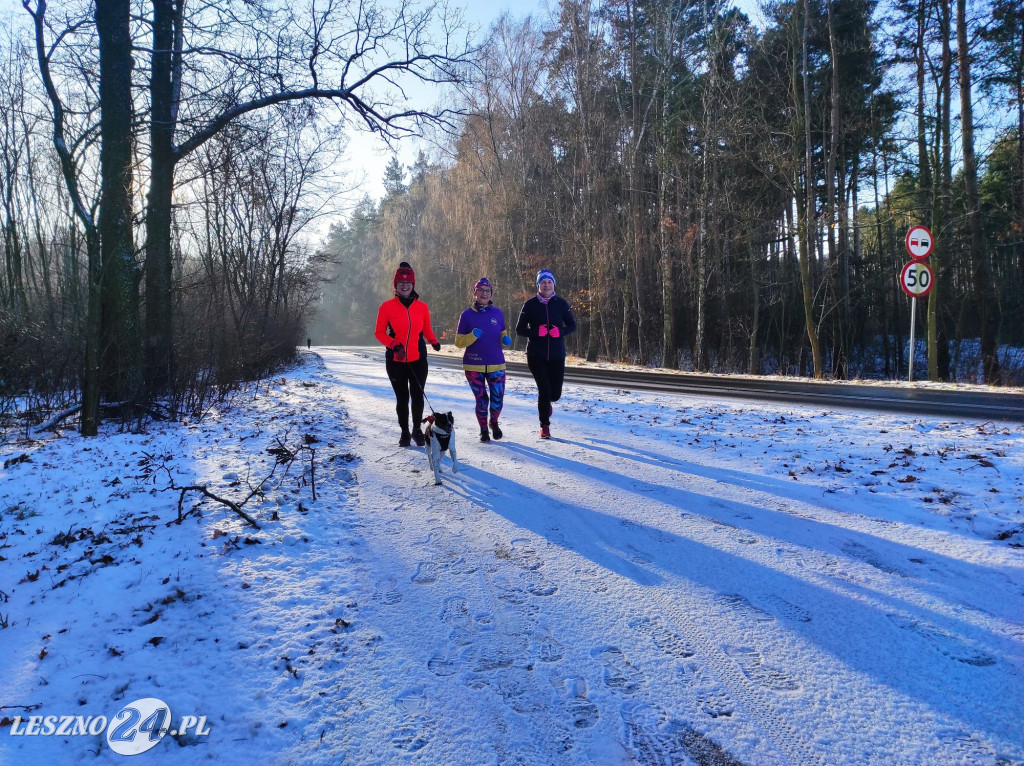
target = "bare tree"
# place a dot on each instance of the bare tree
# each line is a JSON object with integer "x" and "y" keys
{"x": 984, "y": 290}
{"x": 359, "y": 57}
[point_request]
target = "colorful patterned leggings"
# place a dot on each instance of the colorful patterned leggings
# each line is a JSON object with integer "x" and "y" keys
{"x": 480, "y": 382}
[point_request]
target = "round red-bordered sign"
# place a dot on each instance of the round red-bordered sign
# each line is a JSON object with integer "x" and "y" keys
{"x": 919, "y": 242}
{"x": 917, "y": 279}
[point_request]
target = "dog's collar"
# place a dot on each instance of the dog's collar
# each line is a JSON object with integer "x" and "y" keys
{"x": 438, "y": 431}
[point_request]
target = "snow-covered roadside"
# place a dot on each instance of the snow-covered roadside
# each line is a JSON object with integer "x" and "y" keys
{"x": 668, "y": 579}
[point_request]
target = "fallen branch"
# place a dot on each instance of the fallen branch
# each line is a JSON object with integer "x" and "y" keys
{"x": 223, "y": 501}
{"x": 56, "y": 419}
{"x": 312, "y": 471}
{"x": 283, "y": 455}
{"x": 107, "y": 408}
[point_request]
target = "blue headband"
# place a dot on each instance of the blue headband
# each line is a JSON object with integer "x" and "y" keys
{"x": 545, "y": 274}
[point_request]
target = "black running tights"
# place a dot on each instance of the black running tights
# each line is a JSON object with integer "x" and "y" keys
{"x": 408, "y": 380}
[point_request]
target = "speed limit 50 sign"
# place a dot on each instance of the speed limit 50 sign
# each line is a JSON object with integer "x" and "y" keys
{"x": 917, "y": 279}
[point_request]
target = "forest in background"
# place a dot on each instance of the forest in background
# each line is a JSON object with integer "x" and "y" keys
{"x": 717, "y": 196}
{"x": 712, "y": 194}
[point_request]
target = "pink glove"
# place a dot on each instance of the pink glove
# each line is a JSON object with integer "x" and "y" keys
{"x": 542, "y": 331}
{"x": 554, "y": 333}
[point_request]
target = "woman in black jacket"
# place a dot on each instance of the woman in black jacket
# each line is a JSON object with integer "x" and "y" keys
{"x": 546, "y": 319}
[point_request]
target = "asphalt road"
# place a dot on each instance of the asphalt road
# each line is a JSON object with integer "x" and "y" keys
{"x": 907, "y": 399}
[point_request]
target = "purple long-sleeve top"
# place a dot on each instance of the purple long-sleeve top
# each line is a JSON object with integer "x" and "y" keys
{"x": 482, "y": 354}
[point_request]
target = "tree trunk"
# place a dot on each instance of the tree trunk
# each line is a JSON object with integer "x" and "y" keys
{"x": 832, "y": 205}
{"x": 120, "y": 315}
{"x": 938, "y": 344}
{"x": 91, "y": 376}
{"x": 984, "y": 290}
{"x": 159, "y": 349}
{"x": 808, "y": 226}
{"x": 700, "y": 360}
{"x": 755, "y": 279}
{"x": 668, "y": 312}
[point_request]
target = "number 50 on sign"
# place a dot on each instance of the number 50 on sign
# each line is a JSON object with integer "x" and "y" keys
{"x": 917, "y": 279}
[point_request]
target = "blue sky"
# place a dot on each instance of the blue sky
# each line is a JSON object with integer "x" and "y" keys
{"x": 368, "y": 155}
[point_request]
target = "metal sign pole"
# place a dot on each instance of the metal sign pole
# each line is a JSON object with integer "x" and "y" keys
{"x": 917, "y": 278}
{"x": 913, "y": 323}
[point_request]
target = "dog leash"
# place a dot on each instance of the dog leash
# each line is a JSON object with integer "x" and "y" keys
{"x": 432, "y": 410}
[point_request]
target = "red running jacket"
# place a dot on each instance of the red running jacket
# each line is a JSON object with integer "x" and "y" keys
{"x": 398, "y": 323}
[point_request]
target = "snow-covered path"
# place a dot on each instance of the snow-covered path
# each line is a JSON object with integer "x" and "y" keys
{"x": 621, "y": 595}
{"x": 667, "y": 581}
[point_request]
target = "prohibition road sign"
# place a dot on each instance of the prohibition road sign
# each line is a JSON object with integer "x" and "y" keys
{"x": 917, "y": 279}
{"x": 919, "y": 242}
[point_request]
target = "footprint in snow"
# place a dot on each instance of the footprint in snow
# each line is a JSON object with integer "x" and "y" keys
{"x": 712, "y": 698}
{"x": 521, "y": 754}
{"x": 388, "y": 595}
{"x": 791, "y": 554}
{"x": 442, "y": 665}
{"x": 500, "y": 651}
{"x": 549, "y": 649}
{"x": 592, "y": 579}
{"x": 412, "y": 700}
{"x": 521, "y": 553}
{"x": 476, "y": 681}
{"x": 580, "y": 710}
{"x": 413, "y": 734}
{"x": 538, "y": 585}
{"x": 751, "y": 663}
{"x": 455, "y": 610}
{"x": 945, "y": 643}
{"x": 698, "y": 746}
{"x": 738, "y": 604}
{"x": 619, "y": 673}
{"x": 583, "y": 712}
{"x": 962, "y": 747}
{"x": 516, "y": 596}
{"x": 638, "y": 556}
{"x": 461, "y": 567}
{"x": 870, "y": 557}
{"x": 416, "y": 729}
{"x": 655, "y": 741}
{"x": 666, "y": 639}
{"x": 516, "y": 692}
{"x": 641, "y": 735}
{"x": 462, "y": 636}
{"x": 790, "y": 610}
{"x": 426, "y": 573}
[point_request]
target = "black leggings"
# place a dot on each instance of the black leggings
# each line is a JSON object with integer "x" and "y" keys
{"x": 548, "y": 373}
{"x": 408, "y": 380}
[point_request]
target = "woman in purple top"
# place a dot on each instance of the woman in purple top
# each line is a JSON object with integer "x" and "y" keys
{"x": 482, "y": 333}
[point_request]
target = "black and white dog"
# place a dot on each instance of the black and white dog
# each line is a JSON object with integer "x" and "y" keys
{"x": 440, "y": 436}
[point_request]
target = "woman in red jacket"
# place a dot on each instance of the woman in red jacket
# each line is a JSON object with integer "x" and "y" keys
{"x": 401, "y": 322}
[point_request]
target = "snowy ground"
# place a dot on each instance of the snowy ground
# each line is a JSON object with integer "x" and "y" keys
{"x": 669, "y": 580}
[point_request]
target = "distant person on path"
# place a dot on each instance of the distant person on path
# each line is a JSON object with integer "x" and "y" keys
{"x": 309, "y": 343}
{"x": 402, "y": 323}
{"x": 482, "y": 333}
{"x": 545, "y": 320}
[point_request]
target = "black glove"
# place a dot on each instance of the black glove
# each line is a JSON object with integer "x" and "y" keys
{"x": 435, "y": 346}
{"x": 399, "y": 351}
